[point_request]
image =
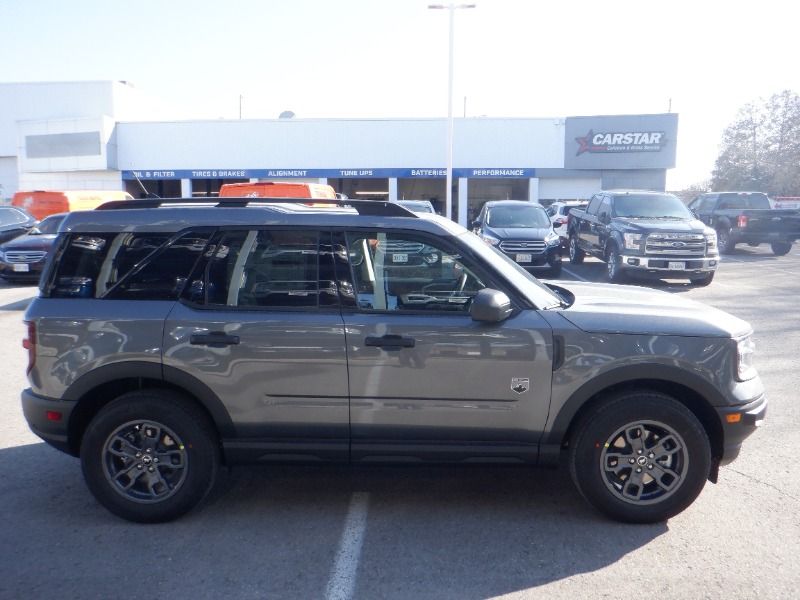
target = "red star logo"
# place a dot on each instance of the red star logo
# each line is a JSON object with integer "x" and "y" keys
{"x": 584, "y": 143}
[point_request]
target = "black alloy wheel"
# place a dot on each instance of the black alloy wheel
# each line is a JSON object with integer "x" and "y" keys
{"x": 640, "y": 456}
{"x": 150, "y": 455}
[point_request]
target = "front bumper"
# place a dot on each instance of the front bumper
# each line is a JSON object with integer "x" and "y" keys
{"x": 551, "y": 257}
{"x": 739, "y": 422}
{"x": 660, "y": 266}
{"x": 54, "y": 432}
{"x": 9, "y": 270}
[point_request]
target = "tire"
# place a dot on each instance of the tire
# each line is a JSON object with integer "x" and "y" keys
{"x": 724, "y": 242}
{"x": 704, "y": 280}
{"x": 626, "y": 427}
{"x": 616, "y": 274}
{"x": 781, "y": 248}
{"x": 133, "y": 434}
{"x": 576, "y": 255}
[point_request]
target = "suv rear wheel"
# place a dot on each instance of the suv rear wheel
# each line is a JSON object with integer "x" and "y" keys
{"x": 149, "y": 456}
{"x": 640, "y": 457}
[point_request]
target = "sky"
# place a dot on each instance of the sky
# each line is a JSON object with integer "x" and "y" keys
{"x": 359, "y": 58}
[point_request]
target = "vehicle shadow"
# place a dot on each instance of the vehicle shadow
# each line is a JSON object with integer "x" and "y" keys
{"x": 20, "y": 305}
{"x": 432, "y": 532}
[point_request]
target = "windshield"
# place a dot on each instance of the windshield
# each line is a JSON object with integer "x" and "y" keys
{"x": 526, "y": 283}
{"x": 48, "y": 226}
{"x": 12, "y": 216}
{"x": 518, "y": 217}
{"x": 650, "y": 206}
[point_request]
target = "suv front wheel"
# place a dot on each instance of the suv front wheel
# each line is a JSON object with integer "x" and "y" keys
{"x": 640, "y": 457}
{"x": 149, "y": 456}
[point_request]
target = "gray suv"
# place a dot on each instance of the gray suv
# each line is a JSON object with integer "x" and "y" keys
{"x": 170, "y": 339}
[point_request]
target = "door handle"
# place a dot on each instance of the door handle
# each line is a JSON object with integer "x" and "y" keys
{"x": 215, "y": 339}
{"x": 390, "y": 342}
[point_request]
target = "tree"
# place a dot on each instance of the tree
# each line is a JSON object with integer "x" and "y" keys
{"x": 693, "y": 191}
{"x": 761, "y": 148}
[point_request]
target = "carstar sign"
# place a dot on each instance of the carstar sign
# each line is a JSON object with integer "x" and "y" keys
{"x": 621, "y": 141}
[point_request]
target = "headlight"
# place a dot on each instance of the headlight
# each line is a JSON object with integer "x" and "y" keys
{"x": 489, "y": 239}
{"x": 2, "y": 256}
{"x": 633, "y": 241}
{"x": 711, "y": 241}
{"x": 745, "y": 349}
{"x": 552, "y": 239}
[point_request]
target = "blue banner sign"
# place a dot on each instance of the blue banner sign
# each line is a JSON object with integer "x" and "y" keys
{"x": 421, "y": 173}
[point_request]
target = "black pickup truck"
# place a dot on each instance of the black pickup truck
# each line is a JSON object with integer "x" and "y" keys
{"x": 747, "y": 217}
{"x": 646, "y": 234}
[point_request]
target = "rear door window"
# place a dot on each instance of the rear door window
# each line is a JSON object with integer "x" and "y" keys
{"x": 164, "y": 275}
{"x": 265, "y": 269}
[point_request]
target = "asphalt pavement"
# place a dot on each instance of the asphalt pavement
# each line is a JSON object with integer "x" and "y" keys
{"x": 423, "y": 531}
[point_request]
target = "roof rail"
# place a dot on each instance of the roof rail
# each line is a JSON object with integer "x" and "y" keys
{"x": 372, "y": 208}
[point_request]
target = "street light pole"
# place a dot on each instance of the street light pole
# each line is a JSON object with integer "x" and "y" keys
{"x": 448, "y": 206}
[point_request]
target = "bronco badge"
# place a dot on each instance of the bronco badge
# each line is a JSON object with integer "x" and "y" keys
{"x": 520, "y": 384}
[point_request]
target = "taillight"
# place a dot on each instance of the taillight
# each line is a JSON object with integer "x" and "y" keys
{"x": 742, "y": 221}
{"x": 29, "y": 343}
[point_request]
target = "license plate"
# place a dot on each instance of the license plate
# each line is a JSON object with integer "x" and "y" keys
{"x": 22, "y": 268}
{"x": 400, "y": 258}
{"x": 523, "y": 258}
{"x": 677, "y": 266}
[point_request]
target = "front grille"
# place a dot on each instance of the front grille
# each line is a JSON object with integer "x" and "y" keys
{"x": 678, "y": 244}
{"x": 24, "y": 257}
{"x": 527, "y": 247}
{"x": 399, "y": 247}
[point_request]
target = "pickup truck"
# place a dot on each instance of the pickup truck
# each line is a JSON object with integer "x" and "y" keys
{"x": 747, "y": 217}
{"x": 644, "y": 234}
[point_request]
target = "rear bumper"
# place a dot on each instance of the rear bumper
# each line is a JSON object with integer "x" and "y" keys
{"x": 750, "y": 417}
{"x": 54, "y": 432}
{"x": 660, "y": 267}
{"x": 746, "y": 237}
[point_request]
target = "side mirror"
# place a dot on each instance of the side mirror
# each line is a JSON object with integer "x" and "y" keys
{"x": 557, "y": 224}
{"x": 476, "y": 224}
{"x": 490, "y": 306}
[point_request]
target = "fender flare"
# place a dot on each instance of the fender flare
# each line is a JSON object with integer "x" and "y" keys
{"x": 155, "y": 370}
{"x": 625, "y": 374}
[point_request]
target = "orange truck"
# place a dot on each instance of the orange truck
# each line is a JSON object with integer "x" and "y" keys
{"x": 277, "y": 189}
{"x": 42, "y": 203}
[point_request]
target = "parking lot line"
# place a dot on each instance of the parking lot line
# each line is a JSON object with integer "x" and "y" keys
{"x": 343, "y": 576}
{"x": 575, "y": 275}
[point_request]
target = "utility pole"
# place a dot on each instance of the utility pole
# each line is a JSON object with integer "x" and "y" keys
{"x": 451, "y": 8}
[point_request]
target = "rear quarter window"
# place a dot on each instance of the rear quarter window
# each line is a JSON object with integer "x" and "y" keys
{"x": 89, "y": 264}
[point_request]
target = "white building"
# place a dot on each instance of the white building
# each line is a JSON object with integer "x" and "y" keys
{"x": 108, "y": 135}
